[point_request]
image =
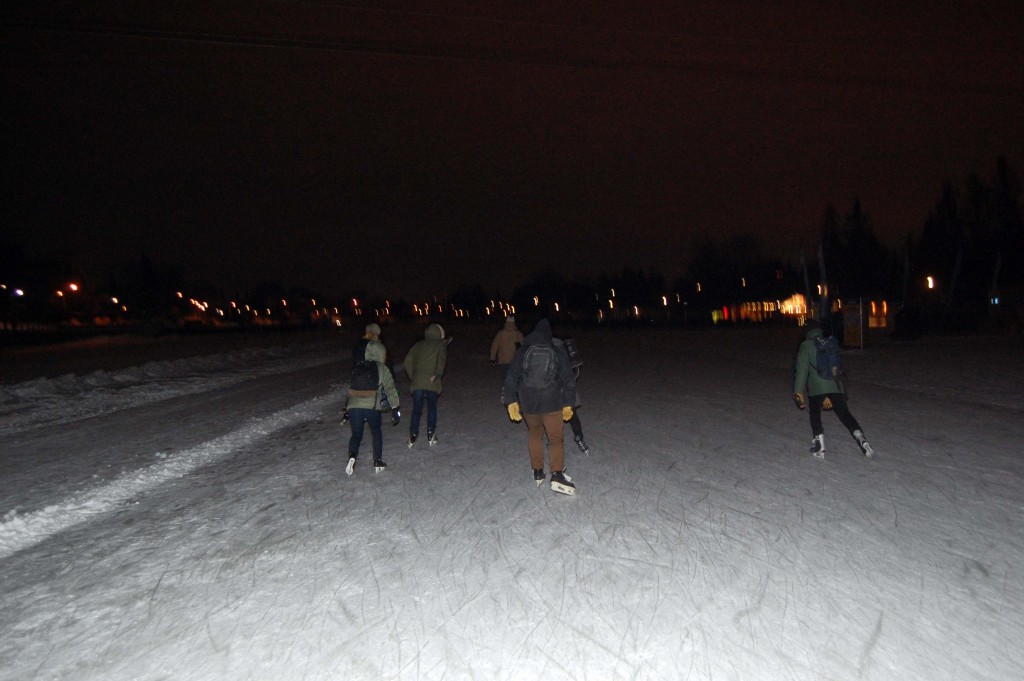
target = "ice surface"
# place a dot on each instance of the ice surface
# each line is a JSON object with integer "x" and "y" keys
{"x": 189, "y": 518}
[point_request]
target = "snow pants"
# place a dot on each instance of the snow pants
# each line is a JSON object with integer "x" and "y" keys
{"x": 838, "y": 406}
{"x": 551, "y": 425}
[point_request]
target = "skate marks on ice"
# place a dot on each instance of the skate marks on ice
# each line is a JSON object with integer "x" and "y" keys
{"x": 20, "y": 531}
{"x": 51, "y": 401}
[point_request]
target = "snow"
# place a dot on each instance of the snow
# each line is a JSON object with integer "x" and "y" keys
{"x": 188, "y": 517}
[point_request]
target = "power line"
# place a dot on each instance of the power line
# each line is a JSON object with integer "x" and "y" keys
{"x": 520, "y": 57}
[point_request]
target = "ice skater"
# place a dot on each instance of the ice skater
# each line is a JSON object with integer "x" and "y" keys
{"x": 540, "y": 389}
{"x": 425, "y": 364}
{"x": 821, "y": 387}
{"x": 366, "y": 407}
{"x": 371, "y": 334}
{"x": 505, "y": 343}
{"x": 568, "y": 346}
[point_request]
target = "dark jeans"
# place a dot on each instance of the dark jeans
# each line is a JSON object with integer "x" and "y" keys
{"x": 418, "y": 398}
{"x": 357, "y": 418}
{"x": 838, "y": 406}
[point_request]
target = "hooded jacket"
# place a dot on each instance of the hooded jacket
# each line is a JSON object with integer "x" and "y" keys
{"x": 375, "y": 352}
{"x": 806, "y": 380}
{"x": 505, "y": 342}
{"x": 561, "y": 393}
{"x": 426, "y": 360}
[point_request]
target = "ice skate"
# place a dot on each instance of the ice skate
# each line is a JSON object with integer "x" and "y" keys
{"x": 818, "y": 446}
{"x": 431, "y": 438}
{"x": 538, "y": 476}
{"x": 582, "y": 444}
{"x": 412, "y": 439}
{"x": 379, "y": 465}
{"x": 865, "y": 446}
{"x": 561, "y": 484}
{"x": 351, "y": 467}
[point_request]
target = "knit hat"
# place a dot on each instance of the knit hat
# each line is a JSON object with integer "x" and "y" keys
{"x": 373, "y": 329}
{"x": 510, "y": 319}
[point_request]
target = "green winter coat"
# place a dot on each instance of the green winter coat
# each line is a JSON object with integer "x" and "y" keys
{"x": 425, "y": 361}
{"x": 375, "y": 351}
{"x": 806, "y": 380}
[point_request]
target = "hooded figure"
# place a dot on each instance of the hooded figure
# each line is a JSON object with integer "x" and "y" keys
{"x": 366, "y": 409}
{"x": 540, "y": 389}
{"x": 562, "y": 390}
{"x": 425, "y": 364}
{"x": 506, "y": 342}
{"x": 814, "y": 392}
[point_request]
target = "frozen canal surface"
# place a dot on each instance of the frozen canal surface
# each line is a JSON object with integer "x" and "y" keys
{"x": 186, "y": 516}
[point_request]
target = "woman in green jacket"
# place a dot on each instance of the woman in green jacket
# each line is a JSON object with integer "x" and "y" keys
{"x": 819, "y": 392}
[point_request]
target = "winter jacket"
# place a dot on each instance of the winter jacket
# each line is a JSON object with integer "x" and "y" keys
{"x": 375, "y": 352}
{"x": 505, "y": 343}
{"x": 806, "y": 379}
{"x": 560, "y": 346}
{"x": 425, "y": 361}
{"x": 359, "y": 352}
{"x": 561, "y": 393}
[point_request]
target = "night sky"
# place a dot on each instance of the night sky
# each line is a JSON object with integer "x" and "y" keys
{"x": 342, "y": 145}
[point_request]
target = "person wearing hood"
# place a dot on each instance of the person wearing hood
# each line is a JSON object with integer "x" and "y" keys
{"x": 365, "y": 407}
{"x": 425, "y": 364}
{"x": 819, "y": 392}
{"x": 540, "y": 389}
{"x": 505, "y": 343}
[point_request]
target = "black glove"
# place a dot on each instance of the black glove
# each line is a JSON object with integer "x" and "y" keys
{"x": 344, "y": 416}
{"x": 396, "y": 416}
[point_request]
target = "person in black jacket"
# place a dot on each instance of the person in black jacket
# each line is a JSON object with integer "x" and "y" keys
{"x": 540, "y": 389}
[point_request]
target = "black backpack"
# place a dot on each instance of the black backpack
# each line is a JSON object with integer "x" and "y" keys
{"x": 365, "y": 377}
{"x": 540, "y": 367}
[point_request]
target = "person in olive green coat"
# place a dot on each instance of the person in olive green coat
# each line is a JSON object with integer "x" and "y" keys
{"x": 424, "y": 364}
{"x": 818, "y": 392}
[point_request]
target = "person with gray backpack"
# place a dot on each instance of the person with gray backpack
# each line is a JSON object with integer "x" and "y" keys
{"x": 541, "y": 390}
{"x": 819, "y": 385}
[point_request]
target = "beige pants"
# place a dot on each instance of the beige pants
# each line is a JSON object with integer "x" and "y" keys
{"x": 539, "y": 424}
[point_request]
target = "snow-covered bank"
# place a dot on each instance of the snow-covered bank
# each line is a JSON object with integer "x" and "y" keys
{"x": 705, "y": 542}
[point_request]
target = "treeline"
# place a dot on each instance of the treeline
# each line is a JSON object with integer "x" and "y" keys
{"x": 963, "y": 271}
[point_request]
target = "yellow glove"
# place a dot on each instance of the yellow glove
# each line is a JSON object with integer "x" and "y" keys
{"x": 566, "y": 413}
{"x": 513, "y": 412}
{"x": 826, "y": 404}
